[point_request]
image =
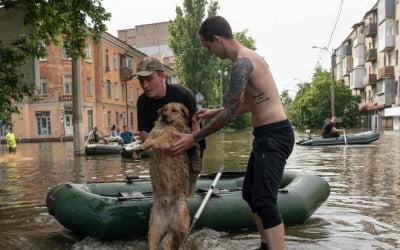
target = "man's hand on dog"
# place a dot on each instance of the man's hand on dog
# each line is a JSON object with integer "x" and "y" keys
{"x": 185, "y": 141}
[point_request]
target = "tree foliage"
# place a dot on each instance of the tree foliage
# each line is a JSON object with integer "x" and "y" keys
{"x": 194, "y": 66}
{"x": 45, "y": 22}
{"x": 285, "y": 98}
{"x": 311, "y": 106}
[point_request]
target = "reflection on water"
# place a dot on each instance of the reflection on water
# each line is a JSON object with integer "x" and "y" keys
{"x": 362, "y": 212}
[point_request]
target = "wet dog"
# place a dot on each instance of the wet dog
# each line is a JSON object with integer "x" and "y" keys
{"x": 169, "y": 219}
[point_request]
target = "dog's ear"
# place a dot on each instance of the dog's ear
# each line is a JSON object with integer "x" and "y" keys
{"x": 159, "y": 111}
{"x": 185, "y": 112}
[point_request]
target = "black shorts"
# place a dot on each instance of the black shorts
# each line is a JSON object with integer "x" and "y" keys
{"x": 272, "y": 145}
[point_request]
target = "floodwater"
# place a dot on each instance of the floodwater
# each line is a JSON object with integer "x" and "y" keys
{"x": 362, "y": 212}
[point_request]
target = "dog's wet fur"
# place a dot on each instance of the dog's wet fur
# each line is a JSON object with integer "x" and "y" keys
{"x": 169, "y": 219}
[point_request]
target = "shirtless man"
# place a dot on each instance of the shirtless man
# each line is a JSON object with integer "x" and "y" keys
{"x": 252, "y": 89}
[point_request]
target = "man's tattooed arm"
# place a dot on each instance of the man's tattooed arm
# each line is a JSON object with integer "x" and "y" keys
{"x": 241, "y": 71}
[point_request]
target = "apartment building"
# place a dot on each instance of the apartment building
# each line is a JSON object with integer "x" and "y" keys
{"x": 108, "y": 91}
{"x": 151, "y": 39}
{"x": 367, "y": 62}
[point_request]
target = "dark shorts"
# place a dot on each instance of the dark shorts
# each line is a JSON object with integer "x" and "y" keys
{"x": 272, "y": 145}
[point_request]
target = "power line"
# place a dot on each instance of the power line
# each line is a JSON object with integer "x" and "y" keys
{"x": 336, "y": 22}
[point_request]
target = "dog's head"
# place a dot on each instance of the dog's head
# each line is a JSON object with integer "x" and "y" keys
{"x": 173, "y": 113}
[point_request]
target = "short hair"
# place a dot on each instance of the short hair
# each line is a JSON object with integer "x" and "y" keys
{"x": 215, "y": 26}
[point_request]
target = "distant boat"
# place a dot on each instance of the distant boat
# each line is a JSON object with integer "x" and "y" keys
{"x": 115, "y": 210}
{"x": 102, "y": 149}
{"x": 350, "y": 139}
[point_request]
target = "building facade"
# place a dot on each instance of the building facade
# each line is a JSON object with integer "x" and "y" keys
{"x": 109, "y": 93}
{"x": 151, "y": 39}
{"x": 367, "y": 62}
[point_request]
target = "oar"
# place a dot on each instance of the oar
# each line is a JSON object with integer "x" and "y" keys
{"x": 344, "y": 135}
{"x": 205, "y": 200}
{"x": 229, "y": 174}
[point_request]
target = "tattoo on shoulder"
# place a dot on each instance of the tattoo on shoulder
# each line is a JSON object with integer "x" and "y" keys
{"x": 241, "y": 71}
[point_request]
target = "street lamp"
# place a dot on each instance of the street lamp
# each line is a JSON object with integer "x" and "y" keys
{"x": 332, "y": 54}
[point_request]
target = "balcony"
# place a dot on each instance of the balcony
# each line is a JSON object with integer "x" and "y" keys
{"x": 357, "y": 76}
{"x": 371, "y": 55}
{"x": 384, "y": 72}
{"x": 386, "y": 36}
{"x": 370, "y": 30}
{"x": 359, "y": 40}
{"x": 347, "y": 65}
{"x": 125, "y": 74}
{"x": 370, "y": 80}
{"x": 347, "y": 50}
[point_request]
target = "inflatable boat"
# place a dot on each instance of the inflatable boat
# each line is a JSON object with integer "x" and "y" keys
{"x": 351, "y": 139}
{"x": 115, "y": 210}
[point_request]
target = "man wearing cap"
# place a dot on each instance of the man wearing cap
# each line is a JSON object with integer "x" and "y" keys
{"x": 157, "y": 93}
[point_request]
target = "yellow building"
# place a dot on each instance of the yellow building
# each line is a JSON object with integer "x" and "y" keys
{"x": 109, "y": 94}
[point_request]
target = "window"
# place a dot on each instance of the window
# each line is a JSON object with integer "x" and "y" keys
{"x": 116, "y": 90}
{"x": 115, "y": 61}
{"x": 89, "y": 87}
{"x": 131, "y": 119}
{"x": 130, "y": 93}
{"x": 117, "y": 118}
{"x": 123, "y": 118}
{"x": 43, "y": 87}
{"x": 64, "y": 54}
{"x": 123, "y": 92}
{"x": 107, "y": 60}
{"x": 90, "y": 119}
{"x": 43, "y": 125}
{"x": 67, "y": 85}
{"x": 108, "y": 87}
{"x": 109, "y": 118}
{"x": 125, "y": 61}
{"x": 44, "y": 46}
{"x": 129, "y": 62}
{"x": 88, "y": 50}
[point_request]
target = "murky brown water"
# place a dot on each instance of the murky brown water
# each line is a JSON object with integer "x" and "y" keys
{"x": 362, "y": 212}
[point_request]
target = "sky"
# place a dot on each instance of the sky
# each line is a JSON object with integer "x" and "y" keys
{"x": 284, "y": 30}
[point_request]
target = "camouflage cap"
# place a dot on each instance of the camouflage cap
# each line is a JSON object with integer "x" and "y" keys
{"x": 148, "y": 65}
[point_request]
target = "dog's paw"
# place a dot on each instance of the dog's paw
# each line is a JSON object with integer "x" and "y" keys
{"x": 137, "y": 148}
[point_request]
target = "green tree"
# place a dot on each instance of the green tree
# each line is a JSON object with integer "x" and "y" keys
{"x": 285, "y": 98}
{"x": 45, "y": 22}
{"x": 194, "y": 66}
{"x": 311, "y": 106}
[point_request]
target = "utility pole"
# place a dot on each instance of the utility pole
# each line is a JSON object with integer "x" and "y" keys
{"x": 333, "y": 59}
{"x": 77, "y": 107}
{"x": 333, "y": 83}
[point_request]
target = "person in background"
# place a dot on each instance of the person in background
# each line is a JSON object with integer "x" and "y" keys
{"x": 115, "y": 131}
{"x": 157, "y": 93}
{"x": 126, "y": 136}
{"x": 95, "y": 137}
{"x": 252, "y": 90}
{"x": 329, "y": 129}
{"x": 11, "y": 142}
